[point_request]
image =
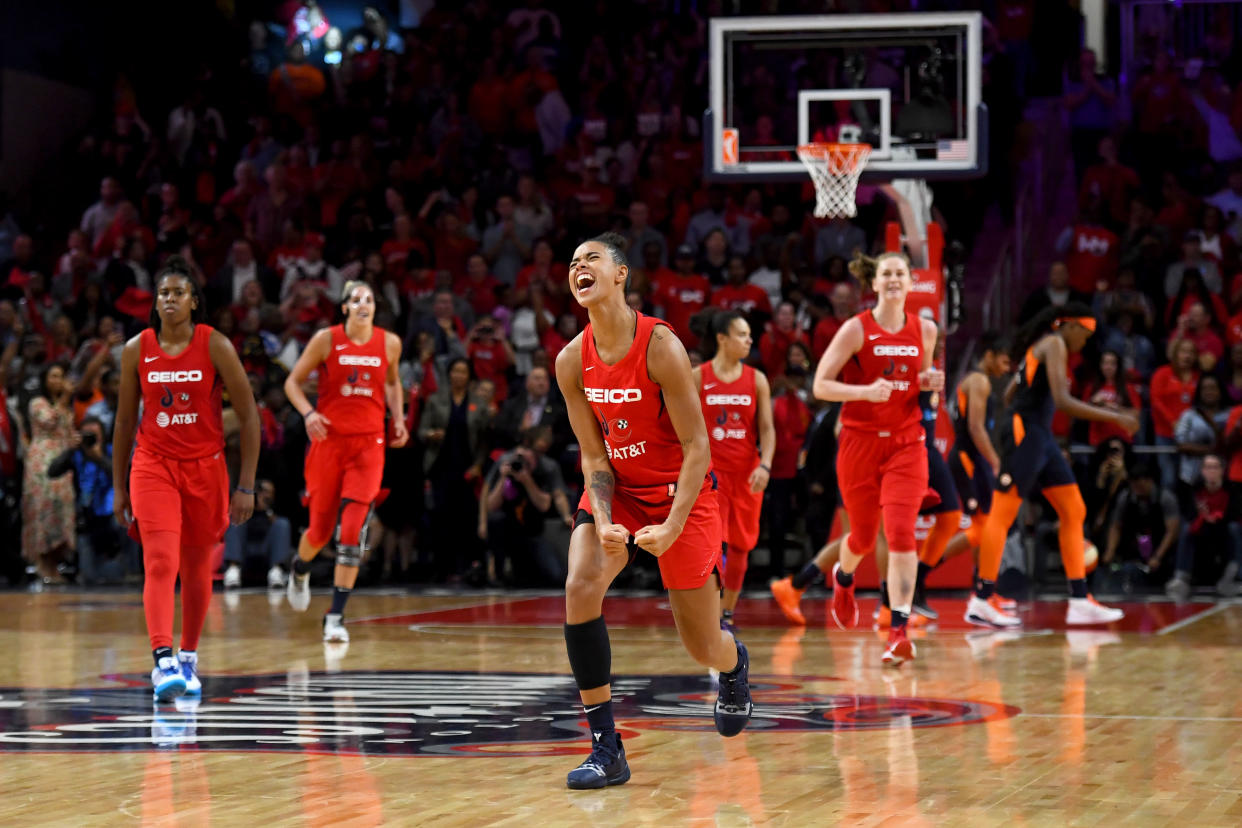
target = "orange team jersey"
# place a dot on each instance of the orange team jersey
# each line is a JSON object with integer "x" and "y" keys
{"x": 351, "y": 383}
{"x": 181, "y": 398}
{"x": 729, "y": 409}
{"x": 897, "y": 357}
{"x": 629, "y": 406}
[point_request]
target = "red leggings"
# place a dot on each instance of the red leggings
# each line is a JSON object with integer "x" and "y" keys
{"x": 181, "y": 512}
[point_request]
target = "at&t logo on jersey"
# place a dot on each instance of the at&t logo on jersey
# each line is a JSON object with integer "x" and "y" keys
{"x": 357, "y": 391}
{"x": 163, "y": 420}
{"x": 613, "y": 396}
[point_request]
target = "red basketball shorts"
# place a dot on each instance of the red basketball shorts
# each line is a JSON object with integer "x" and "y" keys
{"x": 346, "y": 467}
{"x": 689, "y": 562}
{"x": 882, "y": 475}
{"x": 739, "y": 510}
{"x": 190, "y": 497}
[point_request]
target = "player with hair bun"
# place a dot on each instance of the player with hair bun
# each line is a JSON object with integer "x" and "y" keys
{"x": 632, "y": 403}
{"x": 877, "y": 364}
{"x": 358, "y": 380}
{"x": 737, "y": 408}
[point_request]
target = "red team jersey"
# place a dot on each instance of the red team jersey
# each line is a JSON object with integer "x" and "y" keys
{"x": 351, "y": 383}
{"x": 181, "y": 398}
{"x": 895, "y": 357}
{"x": 629, "y": 406}
{"x": 729, "y": 411}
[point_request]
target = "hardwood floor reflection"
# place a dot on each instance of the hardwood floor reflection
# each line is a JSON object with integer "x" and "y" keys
{"x": 459, "y": 710}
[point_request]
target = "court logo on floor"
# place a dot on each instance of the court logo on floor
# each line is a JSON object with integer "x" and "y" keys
{"x": 431, "y": 713}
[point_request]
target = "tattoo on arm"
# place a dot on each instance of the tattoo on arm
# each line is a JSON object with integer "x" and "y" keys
{"x": 601, "y": 495}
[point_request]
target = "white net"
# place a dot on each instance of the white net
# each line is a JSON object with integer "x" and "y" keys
{"x": 834, "y": 169}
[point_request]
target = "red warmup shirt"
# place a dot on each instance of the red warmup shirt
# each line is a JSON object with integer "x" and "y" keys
{"x": 1169, "y": 398}
{"x": 181, "y": 398}
{"x": 682, "y": 297}
{"x": 730, "y": 410}
{"x": 351, "y": 384}
{"x": 1092, "y": 257}
{"x": 642, "y": 445}
{"x": 774, "y": 348}
{"x": 897, "y": 357}
{"x": 1098, "y": 432}
{"x": 745, "y": 298}
{"x": 490, "y": 362}
{"x": 481, "y": 295}
{"x": 822, "y": 336}
{"x": 791, "y": 418}
{"x": 1234, "y": 473}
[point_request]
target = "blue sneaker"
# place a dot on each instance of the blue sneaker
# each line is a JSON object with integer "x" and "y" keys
{"x": 733, "y": 701}
{"x": 726, "y": 623}
{"x": 188, "y": 660}
{"x": 167, "y": 680}
{"x": 605, "y": 766}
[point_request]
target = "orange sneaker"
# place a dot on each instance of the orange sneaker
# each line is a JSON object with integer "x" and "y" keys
{"x": 900, "y": 648}
{"x": 1003, "y": 604}
{"x": 788, "y": 598}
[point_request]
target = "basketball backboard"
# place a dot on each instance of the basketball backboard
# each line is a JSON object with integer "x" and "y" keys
{"x": 911, "y": 82}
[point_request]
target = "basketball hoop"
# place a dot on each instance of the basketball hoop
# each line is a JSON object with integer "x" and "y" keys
{"x": 834, "y": 170}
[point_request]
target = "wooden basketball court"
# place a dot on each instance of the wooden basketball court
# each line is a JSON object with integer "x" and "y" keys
{"x": 459, "y": 710}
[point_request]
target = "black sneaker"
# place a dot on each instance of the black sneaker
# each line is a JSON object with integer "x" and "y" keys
{"x": 920, "y": 604}
{"x": 733, "y": 701}
{"x": 605, "y": 766}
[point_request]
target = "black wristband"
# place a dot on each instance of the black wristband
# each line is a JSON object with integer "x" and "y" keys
{"x": 245, "y": 491}
{"x": 308, "y": 413}
{"x": 765, "y": 467}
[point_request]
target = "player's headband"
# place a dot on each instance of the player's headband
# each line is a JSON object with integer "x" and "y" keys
{"x": 1087, "y": 322}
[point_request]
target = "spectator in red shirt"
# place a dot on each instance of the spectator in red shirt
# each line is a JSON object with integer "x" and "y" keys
{"x": 844, "y": 301}
{"x": 490, "y": 355}
{"x": 1216, "y": 244}
{"x": 1172, "y": 392}
{"x": 779, "y": 334}
{"x": 738, "y": 294}
{"x": 1196, "y": 325}
{"x": 1110, "y": 182}
{"x": 1211, "y": 539}
{"x": 478, "y": 286}
{"x": 1231, "y": 440}
{"x": 1109, "y": 390}
{"x": 396, "y": 250}
{"x": 681, "y": 294}
{"x": 1091, "y": 251}
{"x": 452, "y": 243}
{"x": 246, "y": 186}
{"x": 791, "y": 419}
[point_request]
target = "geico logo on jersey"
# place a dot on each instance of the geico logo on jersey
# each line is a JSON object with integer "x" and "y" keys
{"x": 163, "y": 420}
{"x": 346, "y": 359}
{"x": 174, "y": 376}
{"x": 729, "y": 399}
{"x": 895, "y": 350}
{"x": 613, "y": 395}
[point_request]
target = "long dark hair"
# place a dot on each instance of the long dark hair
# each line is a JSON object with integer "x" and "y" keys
{"x": 1123, "y": 391}
{"x": 1041, "y": 323}
{"x": 178, "y": 266}
{"x": 708, "y": 323}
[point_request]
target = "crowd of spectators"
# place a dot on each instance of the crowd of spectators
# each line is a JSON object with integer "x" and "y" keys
{"x": 452, "y": 166}
{"x": 1154, "y": 249}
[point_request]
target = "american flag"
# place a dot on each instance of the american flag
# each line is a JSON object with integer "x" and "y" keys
{"x": 952, "y": 150}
